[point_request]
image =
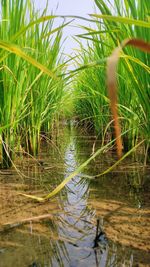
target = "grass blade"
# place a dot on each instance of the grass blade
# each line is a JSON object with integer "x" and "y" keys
{"x": 112, "y": 84}
{"x": 124, "y": 20}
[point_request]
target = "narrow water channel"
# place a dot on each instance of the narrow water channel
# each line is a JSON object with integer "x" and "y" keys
{"x": 62, "y": 232}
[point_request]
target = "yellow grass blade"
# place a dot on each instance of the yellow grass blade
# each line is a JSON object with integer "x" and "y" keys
{"x": 18, "y": 51}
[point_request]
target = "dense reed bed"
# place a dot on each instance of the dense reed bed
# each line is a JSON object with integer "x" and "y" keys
{"x": 33, "y": 88}
{"x": 124, "y": 19}
{"x": 32, "y": 92}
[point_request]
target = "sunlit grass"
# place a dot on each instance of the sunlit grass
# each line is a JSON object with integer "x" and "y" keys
{"x": 125, "y": 19}
{"x": 31, "y": 86}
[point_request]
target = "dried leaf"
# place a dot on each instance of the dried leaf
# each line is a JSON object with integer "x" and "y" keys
{"x": 112, "y": 83}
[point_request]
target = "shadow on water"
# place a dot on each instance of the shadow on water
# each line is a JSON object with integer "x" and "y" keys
{"x": 103, "y": 222}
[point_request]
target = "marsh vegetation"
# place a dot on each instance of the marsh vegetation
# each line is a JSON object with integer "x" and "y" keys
{"x": 57, "y": 132}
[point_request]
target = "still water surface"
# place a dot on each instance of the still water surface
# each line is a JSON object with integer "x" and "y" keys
{"x": 62, "y": 231}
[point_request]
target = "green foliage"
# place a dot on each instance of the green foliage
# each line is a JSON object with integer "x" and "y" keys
{"x": 31, "y": 85}
{"x": 116, "y": 22}
{"x": 33, "y": 88}
{"x": 92, "y": 101}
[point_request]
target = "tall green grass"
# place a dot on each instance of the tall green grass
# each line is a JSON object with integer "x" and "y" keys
{"x": 124, "y": 19}
{"x": 32, "y": 91}
{"x": 92, "y": 103}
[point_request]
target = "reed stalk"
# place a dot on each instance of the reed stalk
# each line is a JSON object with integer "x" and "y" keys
{"x": 116, "y": 22}
{"x": 31, "y": 83}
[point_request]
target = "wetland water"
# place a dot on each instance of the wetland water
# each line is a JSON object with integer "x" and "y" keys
{"x": 61, "y": 232}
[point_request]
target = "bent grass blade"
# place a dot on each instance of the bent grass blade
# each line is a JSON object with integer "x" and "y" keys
{"x": 18, "y": 51}
{"x": 112, "y": 83}
{"x": 79, "y": 169}
{"x": 124, "y": 20}
{"x": 67, "y": 179}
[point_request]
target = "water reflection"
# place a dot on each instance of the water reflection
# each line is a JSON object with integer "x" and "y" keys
{"x": 99, "y": 223}
{"x": 76, "y": 222}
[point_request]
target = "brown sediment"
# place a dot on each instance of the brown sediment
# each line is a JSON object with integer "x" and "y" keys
{"x": 127, "y": 225}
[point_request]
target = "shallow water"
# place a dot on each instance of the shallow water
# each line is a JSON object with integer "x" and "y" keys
{"x": 62, "y": 231}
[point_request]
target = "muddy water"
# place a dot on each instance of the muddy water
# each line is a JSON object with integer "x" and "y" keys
{"x": 62, "y": 232}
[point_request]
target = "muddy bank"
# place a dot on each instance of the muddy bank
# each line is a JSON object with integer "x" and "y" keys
{"x": 61, "y": 231}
